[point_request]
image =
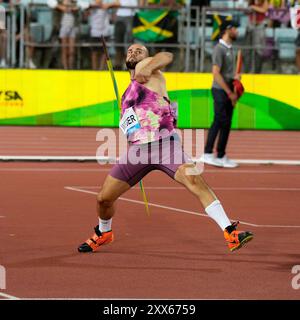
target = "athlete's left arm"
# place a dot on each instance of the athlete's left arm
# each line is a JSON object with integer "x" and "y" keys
{"x": 152, "y": 65}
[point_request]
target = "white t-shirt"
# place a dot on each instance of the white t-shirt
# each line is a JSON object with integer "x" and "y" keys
{"x": 99, "y": 22}
{"x": 127, "y": 12}
{"x": 68, "y": 20}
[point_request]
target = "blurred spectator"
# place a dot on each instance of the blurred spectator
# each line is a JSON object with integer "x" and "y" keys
{"x": 11, "y": 5}
{"x": 3, "y": 39}
{"x": 294, "y": 6}
{"x": 292, "y": 3}
{"x": 298, "y": 51}
{"x": 278, "y": 13}
{"x": 99, "y": 26}
{"x": 241, "y": 4}
{"x": 67, "y": 32}
{"x": 27, "y": 36}
{"x": 255, "y": 35}
{"x": 123, "y": 29}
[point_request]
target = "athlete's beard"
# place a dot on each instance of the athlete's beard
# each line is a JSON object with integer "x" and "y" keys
{"x": 130, "y": 64}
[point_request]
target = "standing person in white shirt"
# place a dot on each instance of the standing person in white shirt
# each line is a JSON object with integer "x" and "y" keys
{"x": 123, "y": 29}
{"x": 99, "y": 26}
{"x": 68, "y": 31}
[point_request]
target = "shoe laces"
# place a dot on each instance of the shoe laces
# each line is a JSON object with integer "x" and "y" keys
{"x": 97, "y": 231}
{"x": 232, "y": 227}
{"x": 235, "y": 224}
{"x": 231, "y": 232}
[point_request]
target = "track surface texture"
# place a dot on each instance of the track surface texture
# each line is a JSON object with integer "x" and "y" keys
{"x": 48, "y": 208}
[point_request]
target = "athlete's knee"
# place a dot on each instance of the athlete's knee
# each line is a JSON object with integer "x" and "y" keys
{"x": 104, "y": 200}
{"x": 181, "y": 173}
{"x": 188, "y": 174}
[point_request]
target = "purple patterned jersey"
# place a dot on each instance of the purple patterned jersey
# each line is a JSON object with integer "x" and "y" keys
{"x": 154, "y": 112}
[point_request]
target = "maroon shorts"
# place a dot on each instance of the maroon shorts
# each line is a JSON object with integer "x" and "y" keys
{"x": 166, "y": 155}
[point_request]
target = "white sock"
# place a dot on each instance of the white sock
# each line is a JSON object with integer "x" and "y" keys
{"x": 216, "y": 212}
{"x": 105, "y": 225}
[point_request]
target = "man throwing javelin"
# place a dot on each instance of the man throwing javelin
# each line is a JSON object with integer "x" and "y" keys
{"x": 151, "y": 125}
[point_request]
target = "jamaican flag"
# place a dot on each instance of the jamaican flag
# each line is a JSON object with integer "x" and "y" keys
{"x": 217, "y": 21}
{"x": 155, "y": 25}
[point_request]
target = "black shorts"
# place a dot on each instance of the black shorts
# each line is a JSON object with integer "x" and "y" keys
{"x": 98, "y": 41}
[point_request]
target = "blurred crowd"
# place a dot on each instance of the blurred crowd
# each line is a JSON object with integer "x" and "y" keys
{"x": 73, "y": 39}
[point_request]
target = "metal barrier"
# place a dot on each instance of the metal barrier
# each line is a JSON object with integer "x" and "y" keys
{"x": 182, "y": 44}
{"x": 8, "y": 34}
{"x": 193, "y": 47}
{"x": 236, "y": 11}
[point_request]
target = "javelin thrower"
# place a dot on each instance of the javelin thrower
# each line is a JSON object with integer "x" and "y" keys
{"x": 148, "y": 121}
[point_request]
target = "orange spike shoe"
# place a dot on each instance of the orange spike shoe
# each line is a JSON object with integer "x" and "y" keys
{"x": 236, "y": 239}
{"x": 98, "y": 239}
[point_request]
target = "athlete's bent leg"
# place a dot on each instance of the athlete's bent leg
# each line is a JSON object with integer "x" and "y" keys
{"x": 112, "y": 189}
{"x": 196, "y": 184}
{"x": 110, "y": 192}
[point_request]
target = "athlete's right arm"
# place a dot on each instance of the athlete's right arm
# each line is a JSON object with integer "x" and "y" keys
{"x": 152, "y": 65}
{"x": 160, "y": 61}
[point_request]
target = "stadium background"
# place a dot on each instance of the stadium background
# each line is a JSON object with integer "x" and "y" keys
{"x": 86, "y": 98}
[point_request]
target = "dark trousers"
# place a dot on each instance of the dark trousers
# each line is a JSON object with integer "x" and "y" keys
{"x": 222, "y": 122}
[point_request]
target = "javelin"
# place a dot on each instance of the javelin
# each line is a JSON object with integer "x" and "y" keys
{"x": 111, "y": 70}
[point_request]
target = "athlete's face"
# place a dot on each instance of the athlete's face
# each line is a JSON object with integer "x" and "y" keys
{"x": 135, "y": 54}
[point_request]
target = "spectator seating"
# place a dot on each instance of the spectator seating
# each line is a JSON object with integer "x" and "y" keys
{"x": 41, "y": 30}
{"x": 285, "y": 43}
{"x": 223, "y": 4}
{"x": 36, "y": 32}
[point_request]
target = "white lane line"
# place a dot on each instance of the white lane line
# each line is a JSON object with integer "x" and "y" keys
{"x": 53, "y": 169}
{"x": 237, "y": 171}
{"x": 251, "y": 171}
{"x": 215, "y": 188}
{"x": 55, "y": 158}
{"x": 254, "y": 161}
{"x": 8, "y": 296}
{"x": 107, "y": 159}
{"x": 256, "y": 189}
{"x": 182, "y": 210}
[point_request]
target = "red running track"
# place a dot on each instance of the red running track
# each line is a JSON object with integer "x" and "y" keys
{"x": 60, "y": 141}
{"x": 47, "y": 209}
